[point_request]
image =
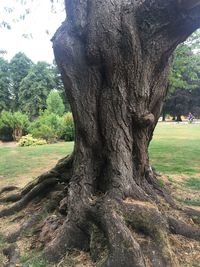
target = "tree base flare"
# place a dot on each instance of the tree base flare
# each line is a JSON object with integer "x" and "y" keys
{"x": 114, "y": 231}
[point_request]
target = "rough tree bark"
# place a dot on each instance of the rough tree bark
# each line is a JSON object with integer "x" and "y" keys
{"x": 114, "y": 59}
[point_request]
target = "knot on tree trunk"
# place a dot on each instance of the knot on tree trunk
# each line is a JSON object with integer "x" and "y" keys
{"x": 144, "y": 120}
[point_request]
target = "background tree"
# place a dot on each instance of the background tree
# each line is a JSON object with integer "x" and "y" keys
{"x": 48, "y": 126}
{"x": 185, "y": 72}
{"x": 5, "y": 94}
{"x": 181, "y": 102}
{"x": 195, "y": 102}
{"x": 178, "y": 104}
{"x": 54, "y": 103}
{"x": 34, "y": 89}
{"x": 68, "y": 131}
{"x": 184, "y": 75}
{"x": 20, "y": 65}
{"x": 114, "y": 61}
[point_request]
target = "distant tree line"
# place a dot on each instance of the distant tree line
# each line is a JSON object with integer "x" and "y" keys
{"x": 24, "y": 86}
{"x": 32, "y": 101}
{"x": 181, "y": 102}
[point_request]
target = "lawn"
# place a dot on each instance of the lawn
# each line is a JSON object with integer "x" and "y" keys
{"x": 175, "y": 149}
{"x": 21, "y": 164}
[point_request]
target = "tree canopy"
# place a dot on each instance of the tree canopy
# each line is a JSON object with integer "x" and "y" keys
{"x": 5, "y": 92}
{"x": 35, "y": 87}
{"x": 19, "y": 66}
{"x": 185, "y": 71}
{"x": 55, "y": 103}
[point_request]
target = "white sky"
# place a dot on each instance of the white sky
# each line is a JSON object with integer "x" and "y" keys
{"x": 41, "y": 19}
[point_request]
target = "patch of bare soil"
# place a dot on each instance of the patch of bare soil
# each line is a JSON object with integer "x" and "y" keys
{"x": 8, "y": 144}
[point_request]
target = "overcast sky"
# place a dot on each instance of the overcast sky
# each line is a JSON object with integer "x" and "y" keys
{"x": 40, "y": 20}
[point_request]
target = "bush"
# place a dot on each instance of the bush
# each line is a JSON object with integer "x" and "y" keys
{"x": 28, "y": 140}
{"x": 48, "y": 126}
{"x": 16, "y": 121}
{"x": 68, "y": 133}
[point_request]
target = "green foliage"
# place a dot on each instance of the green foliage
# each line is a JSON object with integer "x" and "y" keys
{"x": 14, "y": 120}
{"x": 20, "y": 65}
{"x": 48, "y": 126}
{"x": 34, "y": 89}
{"x": 25, "y": 86}
{"x": 54, "y": 103}
{"x": 68, "y": 127}
{"x": 5, "y": 94}
{"x": 185, "y": 72}
{"x": 28, "y": 140}
{"x": 60, "y": 86}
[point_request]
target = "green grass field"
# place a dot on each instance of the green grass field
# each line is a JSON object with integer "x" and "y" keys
{"x": 175, "y": 149}
{"x": 27, "y": 162}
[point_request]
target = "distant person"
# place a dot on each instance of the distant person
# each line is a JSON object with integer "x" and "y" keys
{"x": 190, "y": 118}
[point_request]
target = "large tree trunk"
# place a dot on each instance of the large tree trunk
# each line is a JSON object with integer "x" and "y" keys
{"x": 114, "y": 60}
{"x": 178, "y": 119}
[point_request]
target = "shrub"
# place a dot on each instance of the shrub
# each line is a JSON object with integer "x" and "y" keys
{"x": 16, "y": 121}
{"x": 28, "y": 140}
{"x": 48, "y": 126}
{"x": 55, "y": 103}
{"x": 68, "y": 132}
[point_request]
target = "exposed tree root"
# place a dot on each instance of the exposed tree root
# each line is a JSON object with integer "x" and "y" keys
{"x": 12, "y": 253}
{"x": 191, "y": 212}
{"x": 182, "y": 228}
{"x": 105, "y": 225}
{"x": 11, "y": 198}
{"x": 117, "y": 221}
{"x": 42, "y": 185}
{"x": 13, "y": 237}
{"x": 124, "y": 250}
{"x": 8, "y": 189}
{"x": 69, "y": 237}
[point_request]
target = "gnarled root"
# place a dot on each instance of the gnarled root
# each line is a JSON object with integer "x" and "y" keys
{"x": 184, "y": 229}
{"x": 42, "y": 185}
{"x": 115, "y": 224}
{"x": 8, "y": 189}
{"x": 123, "y": 249}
